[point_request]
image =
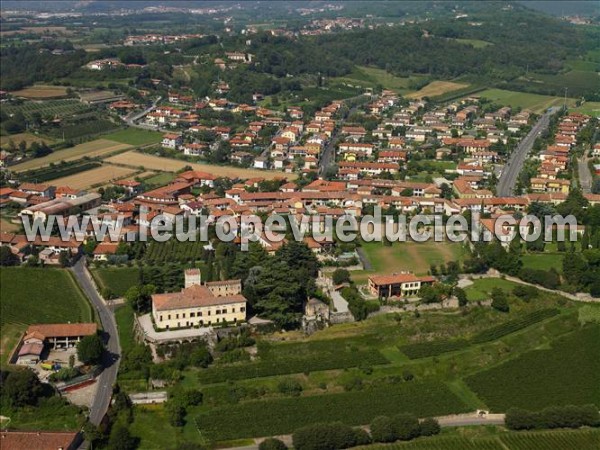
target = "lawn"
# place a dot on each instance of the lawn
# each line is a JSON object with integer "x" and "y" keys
{"x": 481, "y": 289}
{"x": 134, "y": 136}
{"x": 544, "y": 261}
{"x": 124, "y": 319}
{"x": 117, "y": 279}
{"x": 370, "y": 77}
{"x": 32, "y": 295}
{"x": 566, "y": 374}
{"x": 415, "y": 257}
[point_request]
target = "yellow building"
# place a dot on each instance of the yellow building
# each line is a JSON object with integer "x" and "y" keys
{"x": 199, "y": 304}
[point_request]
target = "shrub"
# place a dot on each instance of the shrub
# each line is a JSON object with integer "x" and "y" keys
{"x": 406, "y": 426}
{"x": 430, "y": 427}
{"x": 290, "y": 387}
{"x": 331, "y": 436}
{"x": 272, "y": 444}
{"x": 382, "y": 430}
{"x": 499, "y": 300}
{"x": 340, "y": 276}
{"x": 568, "y": 416}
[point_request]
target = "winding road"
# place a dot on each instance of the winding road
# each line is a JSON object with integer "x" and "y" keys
{"x": 107, "y": 378}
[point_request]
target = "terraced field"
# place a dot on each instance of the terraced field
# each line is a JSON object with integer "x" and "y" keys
{"x": 60, "y": 108}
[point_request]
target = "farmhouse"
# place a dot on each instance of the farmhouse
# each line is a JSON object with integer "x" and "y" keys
{"x": 58, "y": 335}
{"x": 39, "y": 440}
{"x": 199, "y": 304}
{"x": 398, "y": 285}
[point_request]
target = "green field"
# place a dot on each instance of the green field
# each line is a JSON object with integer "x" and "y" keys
{"x": 493, "y": 439}
{"x": 415, "y": 257}
{"x": 567, "y": 373}
{"x": 32, "y": 295}
{"x": 117, "y": 279}
{"x": 543, "y": 261}
{"x": 280, "y": 416}
{"x": 476, "y": 43}
{"x": 534, "y": 102}
{"x": 370, "y": 77}
{"x": 481, "y": 289}
{"x": 134, "y": 136}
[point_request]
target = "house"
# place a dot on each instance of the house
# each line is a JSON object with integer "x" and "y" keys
{"x": 200, "y": 304}
{"x": 104, "y": 250}
{"x": 172, "y": 141}
{"x": 40, "y": 440}
{"x": 398, "y": 285}
{"x": 54, "y": 335}
{"x": 131, "y": 186}
{"x": 41, "y": 190}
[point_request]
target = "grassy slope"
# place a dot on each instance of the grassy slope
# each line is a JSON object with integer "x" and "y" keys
{"x": 134, "y": 136}
{"x": 117, "y": 279}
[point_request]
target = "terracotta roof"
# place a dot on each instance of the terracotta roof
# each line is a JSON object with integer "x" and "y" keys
{"x": 63, "y": 329}
{"x": 38, "y": 440}
{"x": 31, "y": 349}
{"x": 195, "y": 296}
{"x": 399, "y": 278}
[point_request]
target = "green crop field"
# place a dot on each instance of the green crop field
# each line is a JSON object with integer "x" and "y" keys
{"x": 280, "y": 416}
{"x": 134, "y": 136}
{"x": 494, "y": 440}
{"x": 31, "y": 295}
{"x": 117, "y": 279}
{"x": 567, "y": 373}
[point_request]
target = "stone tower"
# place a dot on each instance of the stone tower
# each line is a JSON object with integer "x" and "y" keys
{"x": 192, "y": 277}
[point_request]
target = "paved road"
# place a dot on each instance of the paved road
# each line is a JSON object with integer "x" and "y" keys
{"x": 510, "y": 174}
{"x": 328, "y": 154}
{"x": 585, "y": 176}
{"x": 108, "y": 376}
{"x": 132, "y": 118}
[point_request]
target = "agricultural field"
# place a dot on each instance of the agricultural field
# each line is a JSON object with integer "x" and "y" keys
{"x": 436, "y": 88}
{"x": 60, "y": 170}
{"x": 493, "y": 439}
{"x": 41, "y": 92}
{"x": 173, "y": 251}
{"x": 92, "y": 149}
{"x": 281, "y": 416}
{"x": 151, "y": 162}
{"x": 134, "y": 136}
{"x": 90, "y": 126}
{"x": 94, "y": 177}
{"x": 27, "y": 137}
{"x": 32, "y": 295}
{"x": 413, "y": 256}
{"x": 533, "y": 102}
{"x": 59, "y": 108}
{"x": 117, "y": 279}
{"x": 566, "y": 373}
